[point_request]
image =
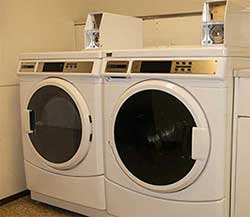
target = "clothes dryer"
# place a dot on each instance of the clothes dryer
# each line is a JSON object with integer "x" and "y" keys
{"x": 168, "y": 124}
{"x": 61, "y": 111}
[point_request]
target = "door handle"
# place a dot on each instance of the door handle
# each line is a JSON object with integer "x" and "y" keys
{"x": 200, "y": 143}
{"x": 29, "y": 121}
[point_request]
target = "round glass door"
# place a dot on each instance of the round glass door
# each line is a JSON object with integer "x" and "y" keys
{"x": 56, "y": 124}
{"x": 156, "y": 139}
{"x": 153, "y": 136}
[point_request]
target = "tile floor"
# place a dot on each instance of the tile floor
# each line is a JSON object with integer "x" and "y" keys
{"x": 25, "y": 207}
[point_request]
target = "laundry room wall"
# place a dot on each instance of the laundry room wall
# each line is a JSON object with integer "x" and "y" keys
{"x": 35, "y": 25}
{"x": 27, "y": 26}
{"x": 144, "y": 8}
{"x": 177, "y": 30}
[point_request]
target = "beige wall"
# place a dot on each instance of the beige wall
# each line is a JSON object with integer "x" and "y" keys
{"x": 144, "y": 7}
{"x": 173, "y": 31}
{"x": 35, "y": 25}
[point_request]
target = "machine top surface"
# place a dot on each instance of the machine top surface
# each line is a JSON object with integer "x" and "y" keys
{"x": 92, "y": 54}
{"x": 180, "y": 51}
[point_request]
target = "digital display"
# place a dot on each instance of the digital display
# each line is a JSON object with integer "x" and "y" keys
{"x": 53, "y": 67}
{"x": 156, "y": 66}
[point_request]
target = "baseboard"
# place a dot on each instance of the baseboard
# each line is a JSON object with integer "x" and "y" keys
{"x": 14, "y": 197}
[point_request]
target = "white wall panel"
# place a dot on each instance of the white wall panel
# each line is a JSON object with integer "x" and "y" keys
{"x": 11, "y": 168}
{"x": 242, "y": 191}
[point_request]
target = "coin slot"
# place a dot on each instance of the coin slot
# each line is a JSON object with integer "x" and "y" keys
{"x": 91, "y": 137}
{"x": 90, "y": 119}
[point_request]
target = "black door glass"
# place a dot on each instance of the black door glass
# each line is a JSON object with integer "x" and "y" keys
{"x": 153, "y": 137}
{"x": 56, "y": 124}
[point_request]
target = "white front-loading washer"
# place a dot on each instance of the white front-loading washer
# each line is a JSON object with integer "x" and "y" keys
{"x": 61, "y": 112}
{"x": 168, "y": 124}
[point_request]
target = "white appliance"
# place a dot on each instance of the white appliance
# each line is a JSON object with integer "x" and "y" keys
{"x": 61, "y": 111}
{"x": 168, "y": 124}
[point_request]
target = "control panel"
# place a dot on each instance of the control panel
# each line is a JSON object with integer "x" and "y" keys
{"x": 60, "y": 67}
{"x": 65, "y": 67}
{"x": 175, "y": 66}
{"x": 163, "y": 66}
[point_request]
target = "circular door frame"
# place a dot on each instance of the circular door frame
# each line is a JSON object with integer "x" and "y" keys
{"x": 199, "y": 117}
{"x": 82, "y": 107}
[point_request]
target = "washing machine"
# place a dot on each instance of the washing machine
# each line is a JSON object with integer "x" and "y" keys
{"x": 61, "y": 112}
{"x": 168, "y": 127}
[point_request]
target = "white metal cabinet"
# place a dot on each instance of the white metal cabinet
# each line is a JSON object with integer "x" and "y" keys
{"x": 240, "y": 206}
{"x": 242, "y": 181}
{"x": 243, "y": 96}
